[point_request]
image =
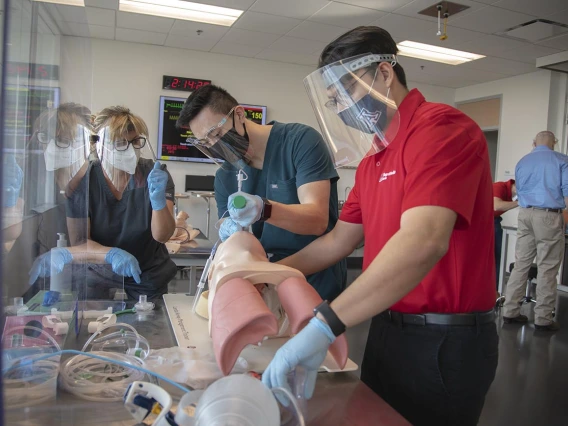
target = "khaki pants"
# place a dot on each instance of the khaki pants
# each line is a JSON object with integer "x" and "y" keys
{"x": 541, "y": 234}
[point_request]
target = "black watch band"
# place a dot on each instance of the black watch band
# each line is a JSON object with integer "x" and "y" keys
{"x": 336, "y": 325}
{"x": 266, "y": 209}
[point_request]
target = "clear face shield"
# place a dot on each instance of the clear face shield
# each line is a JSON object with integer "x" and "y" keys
{"x": 221, "y": 142}
{"x": 65, "y": 150}
{"x": 356, "y": 115}
{"x": 120, "y": 155}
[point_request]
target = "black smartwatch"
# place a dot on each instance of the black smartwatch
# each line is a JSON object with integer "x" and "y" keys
{"x": 336, "y": 325}
{"x": 266, "y": 210}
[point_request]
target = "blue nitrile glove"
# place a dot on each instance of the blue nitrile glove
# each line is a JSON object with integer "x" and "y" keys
{"x": 123, "y": 263}
{"x": 157, "y": 181}
{"x": 50, "y": 298}
{"x": 13, "y": 176}
{"x": 307, "y": 349}
{"x": 228, "y": 228}
{"x": 57, "y": 258}
{"x": 247, "y": 214}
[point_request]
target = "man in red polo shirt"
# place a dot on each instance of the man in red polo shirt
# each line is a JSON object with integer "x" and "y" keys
{"x": 422, "y": 201}
{"x": 504, "y": 199}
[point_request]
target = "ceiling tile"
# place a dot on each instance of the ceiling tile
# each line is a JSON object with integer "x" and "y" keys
{"x": 538, "y": 8}
{"x": 236, "y": 49}
{"x": 190, "y": 28}
{"x": 500, "y": 65}
{"x": 136, "y": 36}
{"x": 560, "y": 42}
{"x": 561, "y": 17}
{"x": 298, "y": 45}
{"x": 317, "y": 31}
{"x": 490, "y": 20}
{"x": 232, "y": 4}
{"x": 405, "y": 27}
{"x": 529, "y": 53}
{"x": 101, "y": 17}
{"x": 491, "y": 45}
{"x": 416, "y": 6}
{"x": 299, "y": 9}
{"x": 73, "y": 13}
{"x": 249, "y": 38}
{"x": 137, "y": 21}
{"x": 105, "y": 4}
{"x": 294, "y": 58}
{"x": 98, "y": 31}
{"x": 487, "y": 1}
{"x": 255, "y": 21}
{"x": 191, "y": 43}
{"x": 74, "y": 29}
{"x": 345, "y": 15}
{"x": 384, "y": 5}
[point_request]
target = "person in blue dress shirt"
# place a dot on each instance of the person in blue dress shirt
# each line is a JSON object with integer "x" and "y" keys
{"x": 542, "y": 188}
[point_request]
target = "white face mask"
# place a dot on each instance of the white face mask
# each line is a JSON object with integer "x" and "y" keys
{"x": 59, "y": 158}
{"x": 122, "y": 160}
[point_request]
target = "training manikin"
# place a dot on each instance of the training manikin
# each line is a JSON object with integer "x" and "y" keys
{"x": 240, "y": 313}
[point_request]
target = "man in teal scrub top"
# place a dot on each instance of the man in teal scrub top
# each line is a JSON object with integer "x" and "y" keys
{"x": 290, "y": 192}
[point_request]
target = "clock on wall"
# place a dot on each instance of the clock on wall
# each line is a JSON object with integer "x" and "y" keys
{"x": 183, "y": 84}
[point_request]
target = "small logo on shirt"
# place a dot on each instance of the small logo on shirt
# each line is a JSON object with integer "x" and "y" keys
{"x": 386, "y": 175}
{"x": 274, "y": 186}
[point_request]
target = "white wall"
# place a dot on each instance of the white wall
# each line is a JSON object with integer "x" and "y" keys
{"x": 530, "y": 103}
{"x": 130, "y": 74}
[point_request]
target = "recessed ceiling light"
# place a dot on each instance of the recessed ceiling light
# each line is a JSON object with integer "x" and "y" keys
{"x": 66, "y": 2}
{"x": 435, "y": 53}
{"x": 185, "y": 10}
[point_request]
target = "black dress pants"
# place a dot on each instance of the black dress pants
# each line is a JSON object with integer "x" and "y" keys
{"x": 431, "y": 375}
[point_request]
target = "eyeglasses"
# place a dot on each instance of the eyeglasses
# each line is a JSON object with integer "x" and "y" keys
{"x": 213, "y": 134}
{"x": 122, "y": 145}
{"x": 61, "y": 142}
{"x": 343, "y": 97}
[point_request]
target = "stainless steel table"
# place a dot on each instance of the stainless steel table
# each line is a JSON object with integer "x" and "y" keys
{"x": 340, "y": 399}
{"x": 193, "y": 258}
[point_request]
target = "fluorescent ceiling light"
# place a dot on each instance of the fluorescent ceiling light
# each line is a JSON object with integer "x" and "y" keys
{"x": 435, "y": 53}
{"x": 178, "y": 9}
{"x": 66, "y": 2}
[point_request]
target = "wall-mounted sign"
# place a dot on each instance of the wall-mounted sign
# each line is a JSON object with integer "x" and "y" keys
{"x": 36, "y": 71}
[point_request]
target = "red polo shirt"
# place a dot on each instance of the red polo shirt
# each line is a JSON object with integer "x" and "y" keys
{"x": 438, "y": 158}
{"x": 504, "y": 191}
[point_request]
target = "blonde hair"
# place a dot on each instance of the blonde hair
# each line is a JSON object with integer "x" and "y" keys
{"x": 121, "y": 122}
{"x": 64, "y": 119}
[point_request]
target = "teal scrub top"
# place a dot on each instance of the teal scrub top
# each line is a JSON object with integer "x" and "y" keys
{"x": 296, "y": 154}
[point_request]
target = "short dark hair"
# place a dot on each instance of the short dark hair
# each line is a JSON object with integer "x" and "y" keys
{"x": 359, "y": 41}
{"x": 214, "y": 97}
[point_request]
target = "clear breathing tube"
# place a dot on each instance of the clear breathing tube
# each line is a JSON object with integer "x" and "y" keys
{"x": 121, "y": 341}
{"x": 34, "y": 381}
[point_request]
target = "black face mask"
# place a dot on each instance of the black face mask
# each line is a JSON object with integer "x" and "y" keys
{"x": 368, "y": 115}
{"x": 233, "y": 147}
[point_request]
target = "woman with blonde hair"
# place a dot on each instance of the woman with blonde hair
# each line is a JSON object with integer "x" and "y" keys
{"x": 130, "y": 199}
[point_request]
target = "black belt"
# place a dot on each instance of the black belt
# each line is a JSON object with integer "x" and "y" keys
{"x": 440, "y": 319}
{"x": 546, "y": 209}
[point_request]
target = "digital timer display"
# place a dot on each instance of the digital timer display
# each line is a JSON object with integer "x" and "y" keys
{"x": 183, "y": 84}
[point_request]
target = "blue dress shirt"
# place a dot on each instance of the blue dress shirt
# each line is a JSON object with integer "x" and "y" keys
{"x": 542, "y": 179}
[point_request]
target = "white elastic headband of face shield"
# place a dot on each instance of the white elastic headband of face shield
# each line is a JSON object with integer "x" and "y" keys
{"x": 333, "y": 73}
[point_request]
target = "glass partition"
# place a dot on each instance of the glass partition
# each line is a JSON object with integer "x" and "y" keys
{"x": 50, "y": 275}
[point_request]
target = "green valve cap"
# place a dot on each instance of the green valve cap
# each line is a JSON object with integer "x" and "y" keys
{"x": 239, "y": 202}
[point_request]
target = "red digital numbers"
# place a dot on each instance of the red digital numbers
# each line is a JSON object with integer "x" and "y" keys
{"x": 183, "y": 83}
